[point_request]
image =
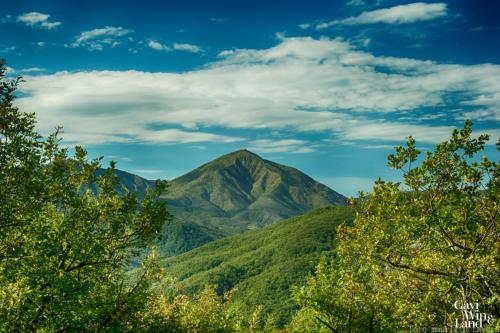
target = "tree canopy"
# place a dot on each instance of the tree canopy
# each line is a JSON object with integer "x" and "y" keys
{"x": 66, "y": 235}
{"x": 417, "y": 248}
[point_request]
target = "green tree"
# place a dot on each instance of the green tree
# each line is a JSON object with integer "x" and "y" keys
{"x": 66, "y": 236}
{"x": 414, "y": 249}
{"x": 206, "y": 312}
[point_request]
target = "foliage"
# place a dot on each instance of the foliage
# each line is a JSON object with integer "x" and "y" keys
{"x": 261, "y": 264}
{"x": 414, "y": 250}
{"x": 64, "y": 249}
{"x": 206, "y": 312}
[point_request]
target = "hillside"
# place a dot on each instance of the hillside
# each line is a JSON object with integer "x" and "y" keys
{"x": 237, "y": 192}
{"x": 262, "y": 264}
{"x": 131, "y": 182}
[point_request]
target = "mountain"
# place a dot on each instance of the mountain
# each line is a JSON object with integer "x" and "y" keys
{"x": 234, "y": 193}
{"x": 262, "y": 264}
{"x": 130, "y": 182}
{"x": 134, "y": 183}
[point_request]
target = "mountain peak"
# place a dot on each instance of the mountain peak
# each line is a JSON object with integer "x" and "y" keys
{"x": 257, "y": 191}
{"x": 241, "y": 191}
{"x": 238, "y": 154}
{"x": 239, "y": 159}
{"x": 243, "y": 152}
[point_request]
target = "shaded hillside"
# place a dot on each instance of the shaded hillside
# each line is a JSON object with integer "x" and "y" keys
{"x": 262, "y": 264}
{"x": 131, "y": 182}
{"x": 238, "y": 192}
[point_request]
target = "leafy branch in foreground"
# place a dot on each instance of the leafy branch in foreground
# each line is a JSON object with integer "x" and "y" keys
{"x": 414, "y": 251}
{"x": 66, "y": 235}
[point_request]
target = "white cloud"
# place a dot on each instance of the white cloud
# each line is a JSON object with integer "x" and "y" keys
{"x": 147, "y": 171}
{"x": 96, "y": 39}
{"x": 32, "y": 70}
{"x": 158, "y": 46}
{"x": 176, "y": 46}
{"x": 180, "y": 136}
{"x": 41, "y": 44}
{"x": 187, "y": 47}
{"x": 282, "y": 146}
{"x": 396, "y": 131}
{"x": 37, "y": 20}
{"x": 484, "y": 114}
{"x": 301, "y": 85}
{"x": 410, "y": 13}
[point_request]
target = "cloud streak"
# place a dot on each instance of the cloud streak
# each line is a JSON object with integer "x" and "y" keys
{"x": 175, "y": 47}
{"x": 187, "y": 47}
{"x": 8, "y": 49}
{"x": 282, "y": 146}
{"x": 402, "y": 14}
{"x": 97, "y": 39}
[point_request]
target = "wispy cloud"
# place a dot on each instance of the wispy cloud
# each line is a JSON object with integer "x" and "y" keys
{"x": 118, "y": 158}
{"x": 282, "y": 146}
{"x": 391, "y": 131}
{"x": 482, "y": 115}
{"x": 96, "y": 39}
{"x": 158, "y": 46}
{"x": 181, "y": 136}
{"x": 356, "y": 3}
{"x": 187, "y": 47}
{"x": 410, "y": 13}
{"x": 8, "y": 49}
{"x": 175, "y": 47}
{"x": 32, "y": 70}
{"x": 37, "y": 20}
{"x": 304, "y": 85}
{"x": 6, "y": 18}
{"x": 218, "y": 19}
{"x": 364, "y": 3}
{"x": 147, "y": 171}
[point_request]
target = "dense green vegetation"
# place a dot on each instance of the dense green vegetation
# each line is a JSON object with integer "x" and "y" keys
{"x": 413, "y": 256}
{"x": 262, "y": 264}
{"x": 64, "y": 248}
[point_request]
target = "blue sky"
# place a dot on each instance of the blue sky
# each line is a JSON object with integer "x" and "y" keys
{"x": 328, "y": 87}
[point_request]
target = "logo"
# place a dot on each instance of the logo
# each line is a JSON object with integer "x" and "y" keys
{"x": 472, "y": 317}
